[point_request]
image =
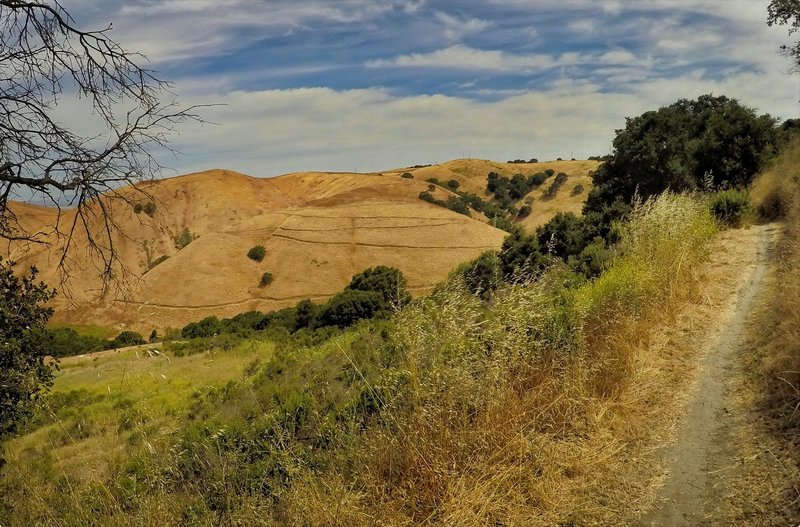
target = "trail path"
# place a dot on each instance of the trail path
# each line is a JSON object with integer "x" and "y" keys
{"x": 700, "y": 457}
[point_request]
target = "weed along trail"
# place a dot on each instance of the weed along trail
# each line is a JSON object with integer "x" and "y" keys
{"x": 698, "y": 463}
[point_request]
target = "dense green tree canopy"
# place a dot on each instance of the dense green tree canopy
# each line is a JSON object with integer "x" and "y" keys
{"x": 23, "y": 373}
{"x": 679, "y": 146}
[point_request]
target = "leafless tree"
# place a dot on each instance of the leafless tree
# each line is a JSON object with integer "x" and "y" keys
{"x": 46, "y": 59}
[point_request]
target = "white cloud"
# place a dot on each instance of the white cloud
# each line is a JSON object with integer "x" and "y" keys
{"x": 266, "y": 133}
{"x": 463, "y": 57}
{"x": 455, "y": 28}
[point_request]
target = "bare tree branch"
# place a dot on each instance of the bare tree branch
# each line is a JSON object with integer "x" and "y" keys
{"x": 43, "y": 57}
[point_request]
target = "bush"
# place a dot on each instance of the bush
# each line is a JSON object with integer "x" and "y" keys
{"x": 183, "y": 239}
{"x": 482, "y": 275}
{"x": 550, "y": 172}
{"x": 713, "y": 136}
{"x": 577, "y": 189}
{"x": 730, "y": 207}
{"x": 205, "y": 328}
{"x": 537, "y": 179}
{"x": 389, "y": 282}
{"x": 431, "y": 187}
{"x": 149, "y": 208}
{"x": 350, "y": 306}
{"x": 161, "y": 259}
{"x": 64, "y": 342}
{"x": 257, "y": 253}
{"x": 453, "y": 184}
{"x": 426, "y": 196}
{"x": 524, "y": 211}
{"x": 137, "y": 209}
{"x": 127, "y": 338}
{"x": 407, "y": 175}
{"x": 266, "y": 279}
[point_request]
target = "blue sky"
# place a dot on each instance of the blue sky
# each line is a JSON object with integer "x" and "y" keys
{"x": 374, "y": 84}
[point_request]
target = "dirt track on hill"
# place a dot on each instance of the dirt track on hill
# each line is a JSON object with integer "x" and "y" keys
{"x": 703, "y": 454}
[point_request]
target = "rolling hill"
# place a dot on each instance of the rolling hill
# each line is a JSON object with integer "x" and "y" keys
{"x": 187, "y": 258}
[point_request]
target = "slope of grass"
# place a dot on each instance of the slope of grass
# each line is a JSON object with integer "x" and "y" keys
{"x": 455, "y": 412}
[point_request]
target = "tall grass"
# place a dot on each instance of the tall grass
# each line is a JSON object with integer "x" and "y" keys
{"x": 777, "y": 193}
{"x": 455, "y": 412}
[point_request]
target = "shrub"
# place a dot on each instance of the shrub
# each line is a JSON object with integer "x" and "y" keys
{"x": 149, "y": 208}
{"x": 183, "y": 239}
{"x": 482, "y": 275}
{"x": 407, "y": 175}
{"x": 431, "y": 187}
{"x": 127, "y": 338}
{"x": 137, "y": 209}
{"x": 266, "y": 279}
{"x": 153, "y": 336}
{"x": 549, "y": 172}
{"x": 453, "y": 184}
{"x": 389, "y": 282}
{"x": 161, "y": 259}
{"x": 426, "y": 196}
{"x": 524, "y": 211}
{"x": 730, "y": 207}
{"x": 577, "y": 189}
{"x": 350, "y": 306}
{"x": 205, "y": 328}
{"x": 537, "y": 179}
{"x": 257, "y": 253}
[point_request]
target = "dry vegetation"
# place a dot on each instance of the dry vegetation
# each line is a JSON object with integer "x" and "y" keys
{"x": 765, "y": 482}
{"x": 519, "y": 413}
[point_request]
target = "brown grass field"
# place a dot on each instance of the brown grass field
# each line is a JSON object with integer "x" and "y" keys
{"x": 319, "y": 229}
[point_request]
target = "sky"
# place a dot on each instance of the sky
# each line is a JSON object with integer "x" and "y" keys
{"x": 370, "y": 85}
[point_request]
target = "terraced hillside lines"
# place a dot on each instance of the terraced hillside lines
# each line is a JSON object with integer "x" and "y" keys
{"x": 318, "y": 229}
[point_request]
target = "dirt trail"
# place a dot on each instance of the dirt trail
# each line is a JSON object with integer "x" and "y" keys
{"x": 697, "y": 463}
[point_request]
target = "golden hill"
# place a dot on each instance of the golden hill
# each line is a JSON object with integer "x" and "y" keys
{"x": 318, "y": 228}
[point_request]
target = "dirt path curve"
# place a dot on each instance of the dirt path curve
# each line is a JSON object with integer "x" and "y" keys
{"x": 691, "y": 492}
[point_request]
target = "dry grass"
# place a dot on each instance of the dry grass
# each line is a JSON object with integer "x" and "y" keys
{"x": 529, "y": 413}
{"x": 765, "y": 483}
{"x": 319, "y": 230}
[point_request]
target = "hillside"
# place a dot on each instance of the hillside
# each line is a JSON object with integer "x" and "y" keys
{"x": 318, "y": 228}
{"x": 471, "y": 175}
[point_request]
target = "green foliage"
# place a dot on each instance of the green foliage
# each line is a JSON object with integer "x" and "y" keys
{"x": 407, "y": 175}
{"x": 563, "y": 236}
{"x": 127, "y": 338}
{"x": 537, "y": 179}
{"x": 184, "y": 238}
{"x": 679, "y": 146}
{"x": 524, "y": 211}
{"x": 153, "y": 336}
{"x": 137, "y": 208}
{"x": 453, "y": 184}
{"x": 266, "y": 279}
{"x": 257, "y": 253}
{"x": 521, "y": 257}
{"x": 389, "y": 282}
{"x": 431, "y": 187}
{"x": 482, "y": 275}
{"x": 205, "y": 328}
{"x": 23, "y": 373}
{"x": 549, "y": 172}
{"x": 350, "y": 306}
{"x": 426, "y": 196}
{"x": 577, "y": 189}
{"x": 64, "y": 342}
{"x": 730, "y": 207}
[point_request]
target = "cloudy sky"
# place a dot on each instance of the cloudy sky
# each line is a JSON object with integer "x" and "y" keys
{"x": 373, "y": 84}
